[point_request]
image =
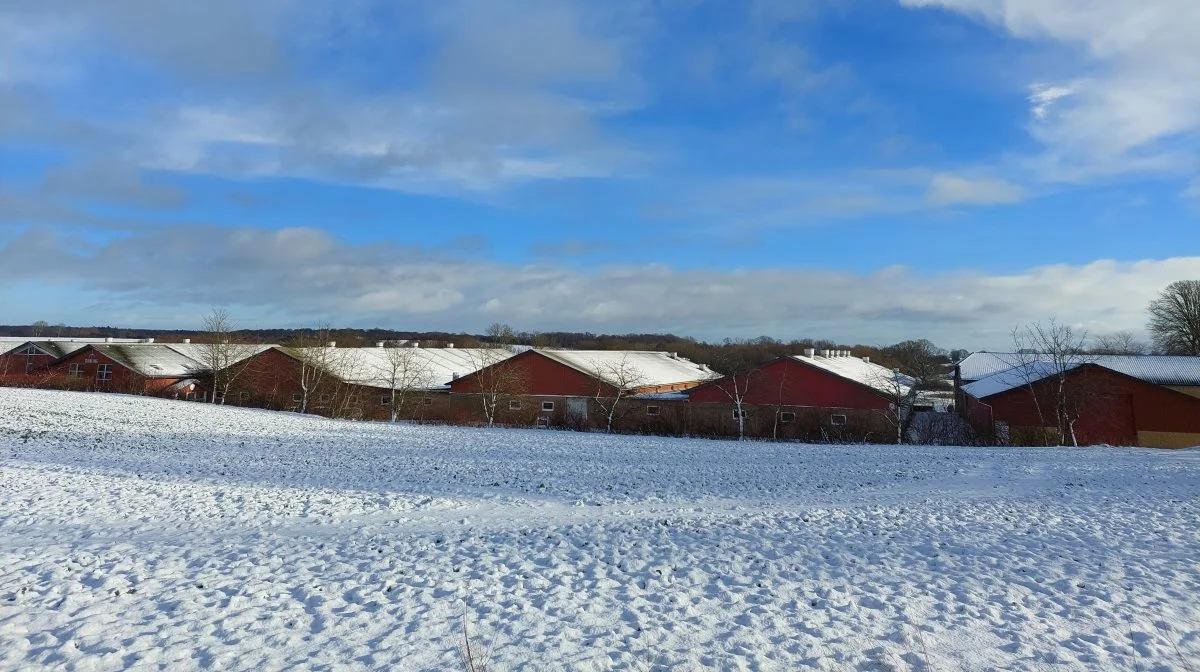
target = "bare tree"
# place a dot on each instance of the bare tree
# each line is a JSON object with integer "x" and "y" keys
{"x": 1118, "y": 343}
{"x": 317, "y": 356}
{"x": 617, "y": 380}
{"x": 738, "y": 367}
{"x": 224, "y": 358}
{"x": 405, "y": 371}
{"x": 900, "y": 391}
{"x": 495, "y": 380}
{"x": 38, "y": 329}
{"x": 1175, "y": 318}
{"x": 1051, "y": 351}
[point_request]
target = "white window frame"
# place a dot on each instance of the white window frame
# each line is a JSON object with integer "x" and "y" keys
{"x": 297, "y": 397}
{"x": 428, "y": 401}
{"x": 547, "y": 406}
{"x": 104, "y": 372}
{"x": 834, "y": 419}
{"x": 385, "y": 400}
{"x": 787, "y": 417}
{"x": 735, "y": 414}
{"x": 654, "y": 411}
{"x": 514, "y": 404}
{"x": 75, "y": 370}
{"x": 325, "y": 398}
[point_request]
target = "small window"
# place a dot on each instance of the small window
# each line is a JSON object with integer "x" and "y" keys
{"x": 324, "y": 398}
{"x": 243, "y": 395}
{"x": 837, "y": 419}
{"x": 735, "y": 414}
{"x": 29, "y": 350}
{"x": 543, "y": 422}
{"x": 428, "y": 401}
{"x": 653, "y": 410}
{"x": 514, "y": 405}
{"x": 786, "y": 416}
{"x": 75, "y": 370}
{"x": 104, "y": 372}
{"x": 385, "y": 400}
{"x": 547, "y": 406}
{"x": 297, "y": 397}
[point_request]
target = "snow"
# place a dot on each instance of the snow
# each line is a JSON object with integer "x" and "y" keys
{"x": 1157, "y": 369}
{"x": 371, "y": 367}
{"x": 174, "y": 535}
{"x": 863, "y": 372}
{"x": 1012, "y": 378}
{"x": 650, "y": 369}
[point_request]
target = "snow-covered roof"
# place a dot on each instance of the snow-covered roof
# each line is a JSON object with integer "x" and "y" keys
{"x": 861, "y": 371}
{"x": 1157, "y": 369}
{"x": 1014, "y": 377}
{"x": 435, "y": 366}
{"x": 63, "y": 345}
{"x": 153, "y": 360}
{"x": 638, "y": 368}
{"x": 200, "y": 351}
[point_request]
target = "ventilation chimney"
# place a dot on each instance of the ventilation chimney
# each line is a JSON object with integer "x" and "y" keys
{"x": 674, "y": 355}
{"x": 809, "y": 352}
{"x": 331, "y": 344}
{"x": 449, "y": 345}
{"x": 454, "y": 376}
{"x": 416, "y": 344}
{"x": 380, "y": 344}
{"x": 867, "y": 360}
{"x": 186, "y": 341}
{"x": 147, "y": 340}
{"x": 108, "y": 339}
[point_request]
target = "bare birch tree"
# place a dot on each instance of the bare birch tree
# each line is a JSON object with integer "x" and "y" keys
{"x": 406, "y": 371}
{"x": 739, "y": 369}
{"x": 495, "y": 380}
{"x": 224, "y": 358}
{"x": 618, "y": 378}
{"x": 316, "y": 356}
{"x": 901, "y": 394}
{"x": 1118, "y": 343}
{"x": 1051, "y": 351}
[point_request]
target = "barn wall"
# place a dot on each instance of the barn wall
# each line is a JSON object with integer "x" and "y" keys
{"x": 787, "y": 382}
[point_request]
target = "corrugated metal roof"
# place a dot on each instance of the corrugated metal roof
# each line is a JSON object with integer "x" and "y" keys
{"x": 1158, "y": 369}
{"x": 56, "y": 346}
{"x": 648, "y": 368}
{"x": 153, "y": 360}
{"x": 872, "y": 375}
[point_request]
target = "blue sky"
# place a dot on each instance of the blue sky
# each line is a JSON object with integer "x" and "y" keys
{"x": 860, "y": 170}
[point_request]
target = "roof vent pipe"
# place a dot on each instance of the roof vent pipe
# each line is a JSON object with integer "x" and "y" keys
{"x": 867, "y": 360}
{"x": 449, "y": 345}
{"x": 331, "y": 344}
{"x": 809, "y": 352}
{"x": 379, "y": 344}
{"x": 147, "y": 340}
{"x": 108, "y": 339}
{"x": 186, "y": 341}
{"x": 416, "y": 344}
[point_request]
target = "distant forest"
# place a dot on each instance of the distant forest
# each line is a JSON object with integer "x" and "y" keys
{"x": 919, "y": 358}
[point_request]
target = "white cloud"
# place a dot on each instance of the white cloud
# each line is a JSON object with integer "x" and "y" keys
{"x": 1135, "y": 94}
{"x": 1193, "y": 189}
{"x": 302, "y": 276}
{"x": 946, "y": 189}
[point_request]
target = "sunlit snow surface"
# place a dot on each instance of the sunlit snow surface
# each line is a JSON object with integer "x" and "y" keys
{"x": 141, "y": 532}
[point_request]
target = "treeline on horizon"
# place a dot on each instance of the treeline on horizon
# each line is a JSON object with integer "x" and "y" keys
{"x": 919, "y": 358}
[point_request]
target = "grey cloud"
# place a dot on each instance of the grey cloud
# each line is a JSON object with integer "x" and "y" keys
{"x": 301, "y": 273}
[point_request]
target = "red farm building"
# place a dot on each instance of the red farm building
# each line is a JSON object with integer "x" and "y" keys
{"x": 817, "y": 396}
{"x": 1022, "y": 405}
{"x": 130, "y": 368}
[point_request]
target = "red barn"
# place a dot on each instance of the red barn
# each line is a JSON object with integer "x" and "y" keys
{"x": 829, "y": 395}
{"x": 133, "y": 368}
{"x": 29, "y": 363}
{"x": 574, "y": 387}
{"x": 1102, "y": 406}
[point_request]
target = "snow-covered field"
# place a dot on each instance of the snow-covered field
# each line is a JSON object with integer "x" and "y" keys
{"x": 145, "y": 533}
